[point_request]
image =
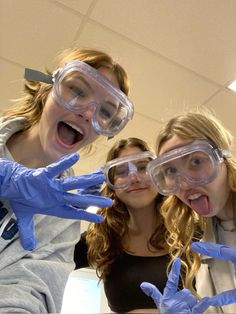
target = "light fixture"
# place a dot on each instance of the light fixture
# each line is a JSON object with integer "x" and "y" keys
{"x": 232, "y": 86}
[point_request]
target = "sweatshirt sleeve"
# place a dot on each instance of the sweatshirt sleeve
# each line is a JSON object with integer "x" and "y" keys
{"x": 32, "y": 287}
{"x": 80, "y": 253}
{"x": 34, "y": 282}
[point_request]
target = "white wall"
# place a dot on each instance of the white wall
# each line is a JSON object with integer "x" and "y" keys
{"x": 83, "y": 294}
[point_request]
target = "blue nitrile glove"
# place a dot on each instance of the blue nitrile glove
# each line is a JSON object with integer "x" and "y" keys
{"x": 37, "y": 191}
{"x": 222, "y": 252}
{"x": 223, "y": 298}
{"x": 93, "y": 189}
{"x": 183, "y": 301}
{"x": 215, "y": 250}
{"x": 171, "y": 301}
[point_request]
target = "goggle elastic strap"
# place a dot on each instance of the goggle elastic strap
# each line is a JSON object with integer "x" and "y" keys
{"x": 222, "y": 154}
{"x": 225, "y": 153}
{"x": 34, "y": 75}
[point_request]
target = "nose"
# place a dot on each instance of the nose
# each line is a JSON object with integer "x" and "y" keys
{"x": 183, "y": 183}
{"x": 134, "y": 177}
{"x": 86, "y": 114}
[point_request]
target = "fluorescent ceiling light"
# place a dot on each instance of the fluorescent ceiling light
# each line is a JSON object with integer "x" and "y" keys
{"x": 232, "y": 86}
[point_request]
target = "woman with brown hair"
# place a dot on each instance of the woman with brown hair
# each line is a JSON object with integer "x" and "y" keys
{"x": 129, "y": 245}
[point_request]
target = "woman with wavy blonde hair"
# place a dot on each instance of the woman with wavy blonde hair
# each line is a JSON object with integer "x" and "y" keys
{"x": 196, "y": 172}
{"x": 129, "y": 245}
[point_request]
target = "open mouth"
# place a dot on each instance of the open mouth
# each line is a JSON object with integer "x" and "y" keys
{"x": 69, "y": 134}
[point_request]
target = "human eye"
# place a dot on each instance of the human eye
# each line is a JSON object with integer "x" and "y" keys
{"x": 142, "y": 165}
{"x": 107, "y": 110}
{"x": 121, "y": 171}
{"x": 198, "y": 160}
{"x": 169, "y": 170}
{"x": 104, "y": 113}
{"x": 76, "y": 89}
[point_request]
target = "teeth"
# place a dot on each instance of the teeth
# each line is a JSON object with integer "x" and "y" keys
{"x": 75, "y": 127}
{"x": 194, "y": 196}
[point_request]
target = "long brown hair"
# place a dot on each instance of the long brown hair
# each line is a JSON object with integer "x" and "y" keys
{"x": 105, "y": 239}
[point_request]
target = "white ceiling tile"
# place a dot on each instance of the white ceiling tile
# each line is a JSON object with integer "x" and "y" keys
{"x": 92, "y": 161}
{"x": 158, "y": 87}
{"x": 224, "y": 106}
{"x": 81, "y": 6}
{"x": 141, "y": 127}
{"x": 199, "y": 35}
{"x": 35, "y": 31}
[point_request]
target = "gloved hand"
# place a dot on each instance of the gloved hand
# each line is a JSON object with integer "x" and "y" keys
{"x": 215, "y": 250}
{"x": 37, "y": 191}
{"x": 222, "y": 252}
{"x": 183, "y": 301}
{"x": 223, "y": 298}
{"x": 171, "y": 301}
{"x": 93, "y": 189}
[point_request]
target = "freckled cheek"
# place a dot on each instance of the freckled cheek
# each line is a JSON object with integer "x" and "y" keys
{"x": 55, "y": 110}
{"x": 51, "y": 107}
{"x": 47, "y": 121}
{"x": 49, "y": 118}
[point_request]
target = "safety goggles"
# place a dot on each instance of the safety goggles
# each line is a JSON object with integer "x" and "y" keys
{"x": 119, "y": 171}
{"x": 78, "y": 86}
{"x": 196, "y": 163}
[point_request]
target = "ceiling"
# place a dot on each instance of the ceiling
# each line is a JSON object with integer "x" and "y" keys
{"x": 178, "y": 54}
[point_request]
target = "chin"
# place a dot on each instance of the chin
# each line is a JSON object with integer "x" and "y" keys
{"x": 55, "y": 155}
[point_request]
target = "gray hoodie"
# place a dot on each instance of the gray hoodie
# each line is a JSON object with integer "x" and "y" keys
{"x": 33, "y": 282}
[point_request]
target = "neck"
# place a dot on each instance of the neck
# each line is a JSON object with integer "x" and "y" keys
{"x": 141, "y": 225}
{"x": 26, "y": 149}
{"x": 142, "y": 220}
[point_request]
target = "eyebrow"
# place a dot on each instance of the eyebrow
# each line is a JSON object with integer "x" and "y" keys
{"x": 81, "y": 78}
{"x": 172, "y": 148}
{"x": 176, "y": 147}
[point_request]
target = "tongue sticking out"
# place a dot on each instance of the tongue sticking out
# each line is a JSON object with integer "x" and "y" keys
{"x": 68, "y": 135}
{"x": 201, "y": 205}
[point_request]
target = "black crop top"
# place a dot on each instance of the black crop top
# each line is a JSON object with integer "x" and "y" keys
{"x": 122, "y": 285}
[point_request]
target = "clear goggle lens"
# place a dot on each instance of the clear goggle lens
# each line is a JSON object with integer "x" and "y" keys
{"x": 79, "y": 87}
{"x": 195, "y": 164}
{"x": 119, "y": 171}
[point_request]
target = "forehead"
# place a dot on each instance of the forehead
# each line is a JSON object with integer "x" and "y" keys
{"x": 174, "y": 142}
{"x": 110, "y": 75}
{"x": 129, "y": 151}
